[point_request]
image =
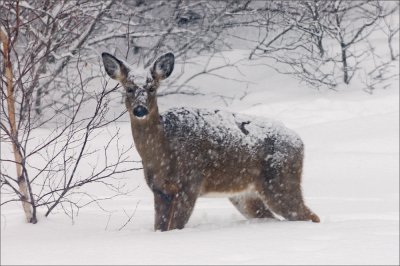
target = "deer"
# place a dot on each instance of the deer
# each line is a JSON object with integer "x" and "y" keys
{"x": 189, "y": 153}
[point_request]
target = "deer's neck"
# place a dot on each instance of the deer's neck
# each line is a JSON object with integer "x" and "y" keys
{"x": 149, "y": 138}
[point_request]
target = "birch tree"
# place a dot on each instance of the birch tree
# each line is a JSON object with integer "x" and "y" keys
{"x": 44, "y": 87}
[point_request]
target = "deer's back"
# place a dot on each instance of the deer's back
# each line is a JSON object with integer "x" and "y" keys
{"x": 228, "y": 130}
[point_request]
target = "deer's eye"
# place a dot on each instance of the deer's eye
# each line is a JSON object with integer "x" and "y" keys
{"x": 130, "y": 90}
{"x": 151, "y": 90}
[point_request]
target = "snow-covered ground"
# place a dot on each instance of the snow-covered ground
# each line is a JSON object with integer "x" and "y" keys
{"x": 350, "y": 179}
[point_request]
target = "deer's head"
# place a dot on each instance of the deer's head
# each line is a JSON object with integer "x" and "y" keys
{"x": 140, "y": 89}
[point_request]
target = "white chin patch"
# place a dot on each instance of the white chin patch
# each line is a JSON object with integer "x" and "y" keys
{"x": 142, "y": 117}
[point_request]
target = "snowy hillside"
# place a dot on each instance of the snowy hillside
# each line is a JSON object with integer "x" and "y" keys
{"x": 350, "y": 179}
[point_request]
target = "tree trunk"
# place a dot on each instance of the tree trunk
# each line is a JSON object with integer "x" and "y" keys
{"x": 392, "y": 57}
{"x": 22, "y": 182}
{"x": 344, "y": 62}
{"x": 321, "y": 47}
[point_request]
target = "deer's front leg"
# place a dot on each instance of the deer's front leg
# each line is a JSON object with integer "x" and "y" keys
{"x": 162, "y": 204}
{"x": 172, "y": 211}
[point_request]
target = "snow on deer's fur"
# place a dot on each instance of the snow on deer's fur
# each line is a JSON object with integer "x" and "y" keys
{"x": 188, "y": 153}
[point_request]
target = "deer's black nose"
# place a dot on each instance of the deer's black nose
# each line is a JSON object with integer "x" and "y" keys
{"x": 140, "y": 111}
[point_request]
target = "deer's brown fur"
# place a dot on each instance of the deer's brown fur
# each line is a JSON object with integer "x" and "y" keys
{"x": 186, "y": 155}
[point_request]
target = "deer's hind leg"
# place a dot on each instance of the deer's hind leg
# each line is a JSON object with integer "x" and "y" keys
{"x": 289, "y": 205}
{"x": 251, "y": 206}
{"x": 281, "y": 191}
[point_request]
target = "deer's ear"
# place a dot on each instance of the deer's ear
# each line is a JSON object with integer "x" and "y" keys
{"x": 115, "y": 68}
{"x": 163, "y": 66}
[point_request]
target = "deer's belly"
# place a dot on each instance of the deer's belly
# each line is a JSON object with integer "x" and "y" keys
{"x": 220, "y": 183}
{"x": 226, "y": 193}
